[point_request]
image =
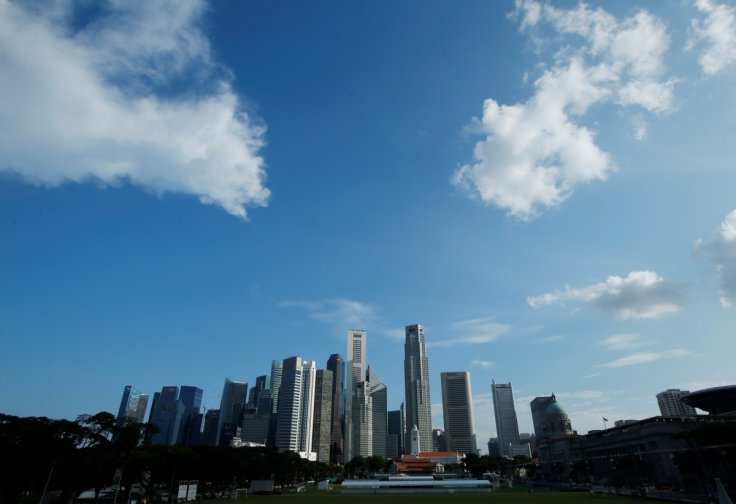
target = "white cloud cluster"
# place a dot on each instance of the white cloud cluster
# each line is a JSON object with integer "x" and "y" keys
{"x": 87, "y": 104}
{"x": 639, "y": 295}
{"x": 535, "y": 153}
{"x": 472, "y": 332}
{"x": 646, "y": 357}
{"x": 717, "y": 33}
{"x": 722, "y": 251}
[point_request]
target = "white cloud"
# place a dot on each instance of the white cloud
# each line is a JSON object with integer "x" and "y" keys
{"x": 717, "y": 33}
{"x": 639, "y": 295}
{"x": 87, "y": 105}
{"x": 535, "y": 153}
{"x": 646, "y": 357}
{"x": 621, "y": 342}
{"x": 722, "y": 251}
{"x": 485, "y": 364}
{"x": 342, "y": 314}
{"x": 472, "y": 332}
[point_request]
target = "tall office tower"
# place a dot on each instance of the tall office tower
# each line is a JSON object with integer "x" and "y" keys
{"x": 306, "y": 421}
{"x": 396, "y": 432}
{"x": 276, "y": 370}
{"x": 322, "y": 415}
{"x": 457, "y": 407}
{"x": 191, "y": 425}
{"x": 416, "y": 382}
{"x": 234, "y": 397}
{"x": 379, "y": 405}
{"x": 211, "y": 423}
{"x": 132, "y": 406}
{"x": 361, "y": 431}
{"x": 355, "y": 371}
{"x": 168, "y": 417}
{"x": 507, "y": 426}
{"x": 288, "y": 420}
{"x": 337, "y": 366}
{"x": 670, "y": 403}
{"x": 263, "y": 382}
{"x": 154, "y": 407}
{"x": 265, "y": 403}
{"x": 493, "y": 448}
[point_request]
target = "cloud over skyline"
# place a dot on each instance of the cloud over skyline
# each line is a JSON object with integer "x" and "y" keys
{"x": 639, "y": 295}
{"x": 472, "y": 332}
{"x": 95, "y": 103}
{"x": 647, "y": 357}
{"x": 535, "y": 153}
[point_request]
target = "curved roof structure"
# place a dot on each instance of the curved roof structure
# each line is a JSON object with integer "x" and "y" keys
{"x": 715, "y": 400}
{"x": 555, "y": 409}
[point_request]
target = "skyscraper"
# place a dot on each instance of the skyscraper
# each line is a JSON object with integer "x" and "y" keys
{"x": 336, "y": 364}
{"x": 289, "y": 405}
{"x": 132, "y": 406}
{"x": 396, "y": 432}
{"x": 168, "y": 416}
{"x": 294, "y": 423}
{"x": 357, "y": 398}
{"x": 191, "y": 425}
{"x": 211, "y": 424}
{"x": 379, "y": 414}
{"x": 457, "y": 408}
{"x": 322, "y": 415}
{"x": 507, "y": 426}
{"x": 670, "y": 403}
{"x": 234, "y": 397}
{"x": 306, "y": 421}
{"x": 276, "y": 370}
{"x": 416, "y": 382}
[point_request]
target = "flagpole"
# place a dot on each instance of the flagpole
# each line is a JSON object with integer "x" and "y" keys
{"x": 604, "y": 423}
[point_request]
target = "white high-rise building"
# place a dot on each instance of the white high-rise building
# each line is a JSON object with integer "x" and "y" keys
{"x": 358, "y": 411}
{"x": 457, "y": 408}
{"x": 507, "y": 426}
{"x": 670, "y": 403}
{"x": 294, "y": 422}
{"x": 416, "y": 382}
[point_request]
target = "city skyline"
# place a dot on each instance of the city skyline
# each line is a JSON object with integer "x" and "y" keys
{"x": 189, "y": 194}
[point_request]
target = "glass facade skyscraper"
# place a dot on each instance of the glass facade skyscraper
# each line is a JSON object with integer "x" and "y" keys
{"x": 416, "y": 382}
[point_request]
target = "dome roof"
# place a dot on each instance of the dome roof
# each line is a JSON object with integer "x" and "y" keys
{"x": 555, "y": 409}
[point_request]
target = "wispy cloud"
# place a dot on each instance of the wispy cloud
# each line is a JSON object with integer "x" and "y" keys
{"x": 342, "y": 314}
{"x": 93, "y": 102}
{"x": 485, "y": 364}
{"x": 535, "y": 153}
{"x": 472, "y": 332}
{"x": 722, "y": 251}
{"x": 716, "y": 34}
{"x": 639, "y": 295}
{"x": 646, "y": 357}
{"x": 621, "y": 342}
{"x": 581, "y": 394}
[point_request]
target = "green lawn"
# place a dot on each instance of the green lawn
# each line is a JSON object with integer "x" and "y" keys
{"x": 503, "y": 496}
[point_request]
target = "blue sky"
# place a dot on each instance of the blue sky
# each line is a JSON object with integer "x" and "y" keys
{"x": 190, "y": 190}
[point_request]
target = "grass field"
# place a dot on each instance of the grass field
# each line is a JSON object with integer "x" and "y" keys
{"x": 503, "y": 496}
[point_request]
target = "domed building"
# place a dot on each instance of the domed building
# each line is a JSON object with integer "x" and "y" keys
{"x": 558, "y": 423}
